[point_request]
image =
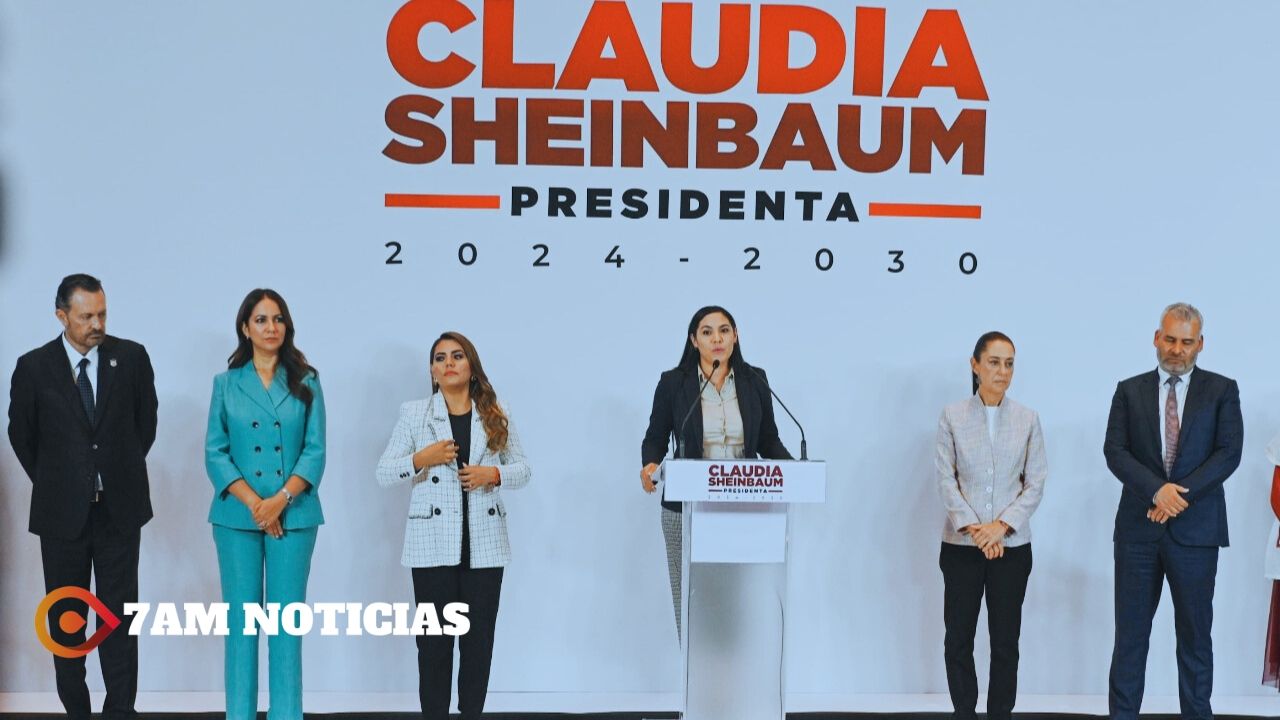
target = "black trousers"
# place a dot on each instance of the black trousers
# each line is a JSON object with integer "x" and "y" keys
{"x": 967, "y": 575}
{"x": 110, "y": 556}
{"x": 480, "y": 589}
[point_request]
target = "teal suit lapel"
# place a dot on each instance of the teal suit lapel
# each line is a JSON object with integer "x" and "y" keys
{"x": 249, "y": 383}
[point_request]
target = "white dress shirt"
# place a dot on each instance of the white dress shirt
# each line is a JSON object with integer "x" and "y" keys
{"x": 723, "y": 436}
{"x": 74, "y": 357}
{"x": 91, "y": 371}
{"x": 1180, "y": 397}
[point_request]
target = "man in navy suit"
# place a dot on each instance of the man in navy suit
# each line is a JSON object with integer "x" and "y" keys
{"x": 1173, "y": 438}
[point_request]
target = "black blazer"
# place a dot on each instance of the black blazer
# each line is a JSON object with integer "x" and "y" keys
{"x": 1210, "y": 440}
{"x": 675, "y": 394}
{"x": 63, "y": 453}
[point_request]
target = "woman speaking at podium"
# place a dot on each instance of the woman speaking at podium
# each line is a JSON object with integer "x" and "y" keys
{"x": 716, "y": 406}
{"x": 459, "y": 451}
{"x": 991, "y": 470}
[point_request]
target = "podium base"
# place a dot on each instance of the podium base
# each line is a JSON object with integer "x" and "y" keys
{"x": 734, "y": 652}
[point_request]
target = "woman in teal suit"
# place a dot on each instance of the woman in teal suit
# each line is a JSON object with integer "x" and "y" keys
{"x": 264, "y": 452}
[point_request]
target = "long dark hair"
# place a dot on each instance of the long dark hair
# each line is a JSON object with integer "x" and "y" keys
{"x": 295, "y": 363}
{"x": 981, "y": 347}
{"x": 689, "y": 357}
{"x": 482, "y": 393}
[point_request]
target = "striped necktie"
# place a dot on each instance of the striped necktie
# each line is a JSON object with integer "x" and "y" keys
{"x": 1171, "y": 424}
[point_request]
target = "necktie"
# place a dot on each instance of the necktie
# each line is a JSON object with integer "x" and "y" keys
{"x": 86, "y": 389}
{"x": 1171, "y": 424}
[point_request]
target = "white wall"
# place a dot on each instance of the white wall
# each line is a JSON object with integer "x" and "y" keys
{"x": 187, "y": 152}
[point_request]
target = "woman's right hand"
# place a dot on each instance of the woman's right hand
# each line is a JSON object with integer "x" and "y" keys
{"x": 441, "y": 452}
{"x": 646, "y": 477}
{"x": 994, "y": 550}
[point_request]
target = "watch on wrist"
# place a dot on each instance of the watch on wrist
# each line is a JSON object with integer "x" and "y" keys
{"x": 288, "y": 496}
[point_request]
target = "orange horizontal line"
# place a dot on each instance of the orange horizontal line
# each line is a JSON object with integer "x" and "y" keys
{"x": 456, "y": 202}
{"x": 971, "y": 212}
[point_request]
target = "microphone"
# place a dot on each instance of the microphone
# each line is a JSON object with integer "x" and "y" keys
{"x": 804, "y": 447}
{"x": 715, "y": 365}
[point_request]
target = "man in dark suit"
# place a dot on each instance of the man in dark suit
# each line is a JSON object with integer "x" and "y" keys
{"x": 82, "y": 416}
{"x": 1173, "y": 437}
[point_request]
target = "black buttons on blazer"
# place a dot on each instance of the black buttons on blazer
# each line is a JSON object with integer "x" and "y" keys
{"x": 255, "y": 424}
{"x": 257, "y": 473}
{"x": 492, "y": 511}
{"x": 279, "y": 473}
{"x": 257, "y": 449}
{"x": 437, "y": 511}
{"x": 277, "y": 423}
{"x": 277, "y": 448}
{"x": 435, "y": 479}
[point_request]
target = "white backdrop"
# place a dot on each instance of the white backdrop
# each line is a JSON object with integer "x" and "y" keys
{"x": 186, "y": 152}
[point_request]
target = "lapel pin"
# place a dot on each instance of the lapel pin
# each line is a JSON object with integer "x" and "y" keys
{"x": 112, "y": 362}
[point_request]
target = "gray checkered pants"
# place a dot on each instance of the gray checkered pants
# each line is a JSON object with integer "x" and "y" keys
{"x": 672, "y": 532}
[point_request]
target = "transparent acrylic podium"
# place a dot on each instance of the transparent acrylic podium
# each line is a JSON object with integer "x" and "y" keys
{"x": 734, "y": 588}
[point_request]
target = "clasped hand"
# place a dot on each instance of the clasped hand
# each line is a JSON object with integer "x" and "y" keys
{"x": 266, "y": 514}
{"x": 989, "y": 538}
{"x": 1169, "y": 503}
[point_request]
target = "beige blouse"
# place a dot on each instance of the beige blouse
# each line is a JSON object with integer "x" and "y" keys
{"x": 722, "y": 433}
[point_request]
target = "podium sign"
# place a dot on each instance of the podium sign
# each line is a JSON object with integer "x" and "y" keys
{"x": 758, "y": 481}
{"x": 739, "y": 507}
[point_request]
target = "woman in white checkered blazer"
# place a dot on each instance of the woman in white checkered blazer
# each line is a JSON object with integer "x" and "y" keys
{"x": 458, "y": 450}
{"x": 991, "y": 470}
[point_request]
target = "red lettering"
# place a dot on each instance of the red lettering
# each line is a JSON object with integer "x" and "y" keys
{"x": 601, "y": 133}
{"x": 640, "y": 127}
{"x": 500, "y": 68}
{"x": 777, "y": 23}
{"x": 868, "y": 51}
{"x": 400, "y": 120}
{"x": 503, "y": 130}
{"x": 731, "y": 59}
{"x": 711, "y": 136}
{"x": 849, "y": 139}
{"x": 540, "y": 131}
{"x": 798, "y": 121}
{"x": 402, "y": 42}
{"x": 939, "y": 30}
{"x": 608, "y": 22}
{"x": 968, "y": 131}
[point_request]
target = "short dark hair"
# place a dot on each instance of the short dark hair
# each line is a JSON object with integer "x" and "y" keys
{"x": 70, "y": 284}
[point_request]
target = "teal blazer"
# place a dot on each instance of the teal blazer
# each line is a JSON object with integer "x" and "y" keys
{"x": 263, "y": 436}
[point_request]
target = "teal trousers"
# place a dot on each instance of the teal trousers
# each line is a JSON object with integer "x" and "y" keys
{"x": 256, "y": 568}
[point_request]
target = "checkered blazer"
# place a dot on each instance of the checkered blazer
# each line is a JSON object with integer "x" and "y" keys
{"x": 981, "y": 482}
{"x": 433, "y": 532}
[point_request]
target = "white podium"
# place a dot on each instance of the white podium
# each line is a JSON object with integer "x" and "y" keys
{"x": 734, "y": 588}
